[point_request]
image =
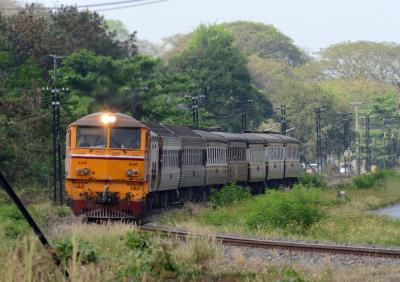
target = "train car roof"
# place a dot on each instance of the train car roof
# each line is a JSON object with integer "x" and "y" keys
{"x": 269, "y": 138}
{"x": 253, "y": 138}
{"x": 183, "y": 131}
{"x": 286, "y": 138}
{"x": 122, "y": 120}
{"x": 231, "y": 136}
{"x": 209, "y": 136}
{"x": 159, "y": 129}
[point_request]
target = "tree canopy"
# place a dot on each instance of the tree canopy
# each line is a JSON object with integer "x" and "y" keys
{"x": 266, "y": 41}
{"x": 217, "y": 69}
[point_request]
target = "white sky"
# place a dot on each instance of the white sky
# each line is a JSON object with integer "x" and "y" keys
{"x": 312, "y": 24}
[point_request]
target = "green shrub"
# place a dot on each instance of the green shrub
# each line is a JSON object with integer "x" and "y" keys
{"x": 12, "y": 221}
{"x": 156, "y": 263}
{"x": 311, "y": 179}
{"x": 229, "y": 194}
{"x": 371, "y": 179}
{"x": 86, "y": 252}
{"x": 137, "y": 240}
{"x": 295, "y": 211}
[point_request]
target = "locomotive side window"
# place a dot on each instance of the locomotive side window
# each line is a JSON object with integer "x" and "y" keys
{"x": 125, "y": 138}
{"x": 69, "y": 138}
{"x": 91, "y": 137}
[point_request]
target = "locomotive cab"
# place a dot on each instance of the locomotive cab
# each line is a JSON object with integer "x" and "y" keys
{"x": 106, "y": 166}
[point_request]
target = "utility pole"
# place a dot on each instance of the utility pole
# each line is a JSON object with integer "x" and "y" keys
{"x": 282, "y": 119}
{"x": 346, "y": 137}
{"x": 194, "y": 106}
{"x": 318, "y": 131}
{"x": 358, "y": 160}
{"x": 367, "y": 144}
{"x": 136, "y": 111}
{"x": 389, "y": 148}
{"x": 397, "y": 123}
{"x": 57, "y": 167}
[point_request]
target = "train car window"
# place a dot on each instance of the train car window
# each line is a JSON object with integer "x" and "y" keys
{"x": 125, "y": 138}
{"x": 91, "y": 137}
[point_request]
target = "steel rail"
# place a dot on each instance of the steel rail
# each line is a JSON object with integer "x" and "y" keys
{"x": 295, "y": 246}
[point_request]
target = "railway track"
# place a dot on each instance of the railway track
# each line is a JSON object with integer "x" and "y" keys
{"x": 293, "y": 246}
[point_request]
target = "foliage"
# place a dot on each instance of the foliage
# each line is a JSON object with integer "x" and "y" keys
{"x": 295, "y": 211}
{"x": 217, "y": 69}
{"x": 26, "y": 40}
{"x": 373, "y": 179}
{"x": 138, "y": 240}
{"x": 136, "y": 86}
{"x": 13, "y": 223}
{"x": 229, "y": 195}
{"x": 86, "y": 252}
{"x": 265, "y": 41}
{"x": 370, "y": 60}
{"x": 313, "y": 180}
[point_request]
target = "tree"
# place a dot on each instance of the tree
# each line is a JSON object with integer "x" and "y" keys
{"x": 37, "y": 33}
{"x": 216, "y": 69}
{"x": 362, "y": 59}
{"x": 137, "y": 86}
{"x": 119, "y": 29}
{"x": 266, "y": 42}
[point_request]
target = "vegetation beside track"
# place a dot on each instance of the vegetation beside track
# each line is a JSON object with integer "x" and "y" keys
{"x": 307, "y": 212}
{"x": 118, "y": 252}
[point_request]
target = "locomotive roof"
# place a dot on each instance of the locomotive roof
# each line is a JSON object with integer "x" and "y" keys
{"x": 159, "y": 129}
{"x": 254, "y": 138}
{"x": 122, "y": 120}
{"x": 209, "y": 136}
{"x": 182, "y": 131}
{"x": 232, "y": 136}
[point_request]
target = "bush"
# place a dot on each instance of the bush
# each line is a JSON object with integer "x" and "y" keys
{"x": 86, "y": 252}
{"x": 296, "y": 210}
{"x": 371, "y": 179}
{"x": 138, "y": 240}
{"x": 12, "y": 220}
{"x": 311, "y": 179}
{"x": 229, "y": 194}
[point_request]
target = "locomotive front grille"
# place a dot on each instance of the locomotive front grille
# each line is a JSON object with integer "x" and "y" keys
{"x": 107, "y": 214}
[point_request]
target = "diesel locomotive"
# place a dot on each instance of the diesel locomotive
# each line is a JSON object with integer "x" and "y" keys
{"x": 118, "y": 167}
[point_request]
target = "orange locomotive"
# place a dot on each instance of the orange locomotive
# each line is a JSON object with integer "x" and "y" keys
{"x": 106, "y": 166}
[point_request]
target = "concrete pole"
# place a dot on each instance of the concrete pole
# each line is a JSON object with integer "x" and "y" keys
{"x": 358, "y": 160}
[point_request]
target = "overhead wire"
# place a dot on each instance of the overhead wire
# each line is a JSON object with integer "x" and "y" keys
{"x": 137, "y": 3}
{"x": 133, "y": 5}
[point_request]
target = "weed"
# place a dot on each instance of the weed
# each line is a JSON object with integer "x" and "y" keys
{"x": 373, "y": 179}
{"x": 313, "y": 180}
{"x": 137, "y": 240}
{"x": 229, "y": 194}
{"x": 296, "y": 210}
{"x": 86, "y": 251}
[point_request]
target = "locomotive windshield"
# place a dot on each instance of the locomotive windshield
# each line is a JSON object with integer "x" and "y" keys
{"x": 91, "y": 137}
{"x": 125, "y": 138}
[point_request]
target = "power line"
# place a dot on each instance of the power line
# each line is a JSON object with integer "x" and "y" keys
{"x": 133, "y": 5}
{"x": 138, "y": 3}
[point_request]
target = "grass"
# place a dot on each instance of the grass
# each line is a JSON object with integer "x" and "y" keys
{"x": 118, "y": 252}
{"x": 350, "y": 221}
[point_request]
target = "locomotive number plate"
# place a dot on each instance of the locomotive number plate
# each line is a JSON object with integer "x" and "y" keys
{"x": 133, "y": 164}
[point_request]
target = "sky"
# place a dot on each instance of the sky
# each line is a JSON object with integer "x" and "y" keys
{"x": 312, "y": 24}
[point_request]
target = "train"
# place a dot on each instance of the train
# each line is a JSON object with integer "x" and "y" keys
{"x": 117, "y": 167}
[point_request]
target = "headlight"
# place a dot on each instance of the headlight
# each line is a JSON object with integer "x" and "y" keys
{"x": 107, "y": 118}
{"x": 83, "y": 171}
{"x": 132, "y": 172}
